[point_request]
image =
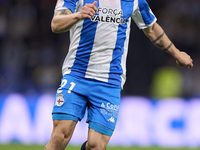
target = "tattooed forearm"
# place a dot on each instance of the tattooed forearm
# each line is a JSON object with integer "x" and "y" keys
{"x": 63, "y": 12}
{"x": 168, "y": 47}
{"x": 154, "y": 41}
{"x": 160, "y": 44}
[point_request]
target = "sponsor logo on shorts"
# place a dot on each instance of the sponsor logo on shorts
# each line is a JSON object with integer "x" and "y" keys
{"x": 112, "y": 119}
{"x": 113, "y": 107}
{"x": 102, "y": 105}
{"x": 109, "y": 110}
{"x": 110, "y": 106}
{"x": 59, "y": 100}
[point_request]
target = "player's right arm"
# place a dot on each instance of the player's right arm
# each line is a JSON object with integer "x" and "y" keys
{"x": 64, "y": 19}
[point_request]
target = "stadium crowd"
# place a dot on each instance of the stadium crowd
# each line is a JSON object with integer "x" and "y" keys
{"x": 31, "y": 55}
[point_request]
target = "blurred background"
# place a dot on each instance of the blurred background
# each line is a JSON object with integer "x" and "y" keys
{"x": 31, "y": 58}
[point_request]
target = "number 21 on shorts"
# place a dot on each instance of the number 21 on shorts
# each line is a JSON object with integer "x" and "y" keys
{"x": 64, "y": 82}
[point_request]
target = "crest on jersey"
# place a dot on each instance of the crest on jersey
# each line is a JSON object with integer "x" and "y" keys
{"x": 59, "y": 100}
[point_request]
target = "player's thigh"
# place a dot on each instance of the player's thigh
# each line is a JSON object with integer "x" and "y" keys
{"x": 63, "y": 129}
{"x": 97, "y": 139}
{"x": 103, "y": 107}
{"x": 70, "y": 98}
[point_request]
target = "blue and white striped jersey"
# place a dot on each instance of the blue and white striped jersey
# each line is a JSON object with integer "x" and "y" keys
{"x": 99, "y": 46}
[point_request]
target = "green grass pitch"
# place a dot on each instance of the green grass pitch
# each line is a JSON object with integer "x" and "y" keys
{"x": 37, "y": 147}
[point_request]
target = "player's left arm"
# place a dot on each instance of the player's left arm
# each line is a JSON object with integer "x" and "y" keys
{"x": 158, "y": 37}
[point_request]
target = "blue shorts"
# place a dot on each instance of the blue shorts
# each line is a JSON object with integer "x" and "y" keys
{"x": 101, "y": 100}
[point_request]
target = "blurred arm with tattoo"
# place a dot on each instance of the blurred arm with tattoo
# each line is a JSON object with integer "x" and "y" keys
{"x": 158, "y": 37}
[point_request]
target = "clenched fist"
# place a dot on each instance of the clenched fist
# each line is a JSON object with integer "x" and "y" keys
{"x": 184, "y": 60}
{"x": 88, "y": 10}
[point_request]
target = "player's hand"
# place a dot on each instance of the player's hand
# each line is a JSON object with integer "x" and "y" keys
{"x": 88, "y": 10}
{"x": 184, "y": 60}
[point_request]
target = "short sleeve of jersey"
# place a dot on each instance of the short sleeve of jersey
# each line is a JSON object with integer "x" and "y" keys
{"x": 142, "y": 14}
{"x": 64, "y": 4}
